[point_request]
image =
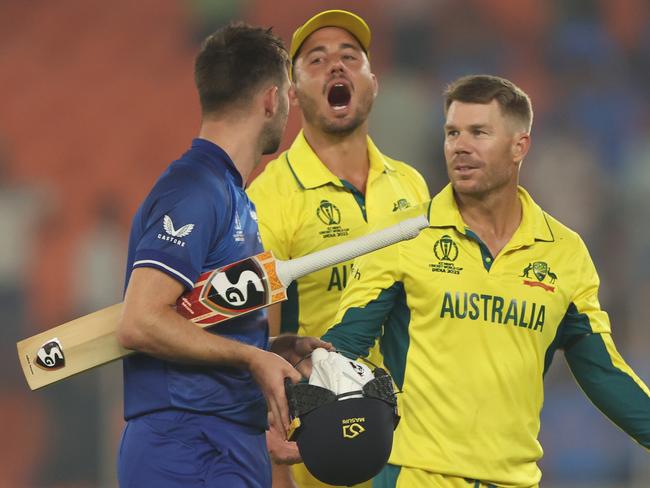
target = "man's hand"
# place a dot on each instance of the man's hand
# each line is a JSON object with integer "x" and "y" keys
{"x": 269, "y": 371}
{"x": 294, "y": 348}
{"x": 281, "y": 450}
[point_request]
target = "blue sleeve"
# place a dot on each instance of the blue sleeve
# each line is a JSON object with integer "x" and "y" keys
{"x": 179, "y": 225}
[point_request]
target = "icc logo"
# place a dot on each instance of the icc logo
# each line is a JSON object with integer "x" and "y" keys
{"x": 239, "y": 287}
{"x": 328, "y": 213}
{"x": 445, "y": 249}
{"x": 50, "y": 355}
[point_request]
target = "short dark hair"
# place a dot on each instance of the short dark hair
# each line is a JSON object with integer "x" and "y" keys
{"x": 234, "y": 62}
{"x": 514, "y": 102}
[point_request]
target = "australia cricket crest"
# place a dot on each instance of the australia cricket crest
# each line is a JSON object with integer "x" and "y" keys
{"x": 541, "y": 270}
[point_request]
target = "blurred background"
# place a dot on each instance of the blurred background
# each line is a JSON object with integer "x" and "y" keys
{"x": 97, "y": 98}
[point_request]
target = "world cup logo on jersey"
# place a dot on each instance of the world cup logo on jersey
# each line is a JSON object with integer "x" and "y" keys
{"x": 239, "y": 288}
{"x": 328, "y": 213}
{"x": 445, "y": 249}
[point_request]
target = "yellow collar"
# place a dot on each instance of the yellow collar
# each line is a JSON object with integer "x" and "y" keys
{"x": 310, "y": 172}
{"x": 443, "y": 212}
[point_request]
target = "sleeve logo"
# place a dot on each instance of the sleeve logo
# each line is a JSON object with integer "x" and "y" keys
{"x": 184, "y": 231}
{"x": 174, "y": 235}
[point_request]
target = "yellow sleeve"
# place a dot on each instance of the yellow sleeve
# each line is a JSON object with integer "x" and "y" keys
{"x": 367, "y": 300}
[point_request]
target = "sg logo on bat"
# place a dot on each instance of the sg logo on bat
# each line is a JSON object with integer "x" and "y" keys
{"x": 50, "y": 355}
{"x": 239, "y": 287}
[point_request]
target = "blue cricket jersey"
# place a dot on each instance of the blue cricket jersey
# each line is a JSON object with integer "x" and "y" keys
{"x": 196, "y": 218}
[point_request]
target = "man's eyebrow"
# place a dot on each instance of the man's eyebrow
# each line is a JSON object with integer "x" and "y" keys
{"x": 347, "y": 45}
{"x": 471, "y": 127}
{"x": 314, "y": 49}
{"x": 343, "y": 45}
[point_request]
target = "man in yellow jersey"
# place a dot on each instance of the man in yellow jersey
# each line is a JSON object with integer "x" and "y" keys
{"x": 333, "y": 183}
{"x": 474, "y": 308}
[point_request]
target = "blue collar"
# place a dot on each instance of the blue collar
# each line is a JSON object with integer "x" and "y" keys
{"x": 218, "y": 156}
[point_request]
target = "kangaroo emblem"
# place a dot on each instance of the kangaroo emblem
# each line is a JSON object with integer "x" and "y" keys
{"x": 526, "y": 272}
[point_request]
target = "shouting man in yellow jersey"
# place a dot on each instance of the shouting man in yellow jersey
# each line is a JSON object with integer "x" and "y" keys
{"x": 474, "y": 308}
{"x": 332, "y": 184}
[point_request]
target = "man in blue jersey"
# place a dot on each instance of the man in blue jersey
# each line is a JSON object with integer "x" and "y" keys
{"x": 196, "y": 401}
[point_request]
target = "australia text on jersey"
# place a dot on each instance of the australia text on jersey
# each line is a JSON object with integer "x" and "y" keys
{"x": 493, "y": 308}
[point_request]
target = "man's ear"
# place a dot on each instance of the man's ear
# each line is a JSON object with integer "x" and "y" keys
{"x": 270, "y": 100}
{"x": 375, "y": 84}
{"x": 293, "y": 96}
{"x": 520, "y": 146}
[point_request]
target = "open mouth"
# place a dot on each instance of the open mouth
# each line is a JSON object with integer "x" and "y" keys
{"x": 339, "y": 96}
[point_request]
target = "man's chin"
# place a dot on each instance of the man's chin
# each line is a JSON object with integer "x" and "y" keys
{"x": 466, "y": 187}
{"x": 341, "y": 126}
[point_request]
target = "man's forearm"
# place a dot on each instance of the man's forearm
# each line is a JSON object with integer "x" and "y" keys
{"x": 611, "y": 385}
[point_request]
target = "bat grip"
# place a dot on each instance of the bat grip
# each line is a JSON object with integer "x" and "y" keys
{"x": 296, "y": 268}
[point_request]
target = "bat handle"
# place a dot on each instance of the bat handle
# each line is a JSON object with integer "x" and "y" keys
{"x": 296, "y": 268}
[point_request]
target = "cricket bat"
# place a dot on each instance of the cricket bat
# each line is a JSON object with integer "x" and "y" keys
{"x": 230, "y": 291}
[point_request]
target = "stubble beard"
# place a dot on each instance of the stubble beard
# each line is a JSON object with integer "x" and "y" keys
{"x": 272, "y": 134}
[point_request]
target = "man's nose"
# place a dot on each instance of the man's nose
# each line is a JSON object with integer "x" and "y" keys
{"x": 337, "y": 66}
{"x": 458, "y": 144}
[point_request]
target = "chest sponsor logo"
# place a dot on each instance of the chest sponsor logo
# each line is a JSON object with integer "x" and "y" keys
{"x": 172, "y": 234}
{"x": 330, "y": 215}
{"x": 493, "y": 309}
{"x": 541, "y": 271}
{"x": 446, "y": 251}
{"x": 401, "y": 204}
{"x": 238, "y": 288}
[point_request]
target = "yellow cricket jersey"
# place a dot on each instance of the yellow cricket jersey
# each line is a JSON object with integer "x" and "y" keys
{"x": 468, "y": 337}
{"x": 303, "y": 207}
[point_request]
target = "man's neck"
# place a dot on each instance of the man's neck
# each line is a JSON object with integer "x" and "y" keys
{"x": 494, "y": 217}
{"x": 238, "y": 139}
{"x": 344, "y": 155}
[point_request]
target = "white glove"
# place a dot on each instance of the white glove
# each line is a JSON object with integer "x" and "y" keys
{"x": 337, "y": 373}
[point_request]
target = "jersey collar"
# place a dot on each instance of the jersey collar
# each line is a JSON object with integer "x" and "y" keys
{"x": 218, "y": 156}
{"x": 310, "y": 172}
{"x": 443, "y": 212}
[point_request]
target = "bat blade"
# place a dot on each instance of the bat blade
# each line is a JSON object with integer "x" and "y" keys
{"x": 219, "y": 295}
{"x": 91, "y": 340}
{"x": 71, "y": 348}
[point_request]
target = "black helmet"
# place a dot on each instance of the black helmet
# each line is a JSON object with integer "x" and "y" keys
{"x": 344, "y": 439}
